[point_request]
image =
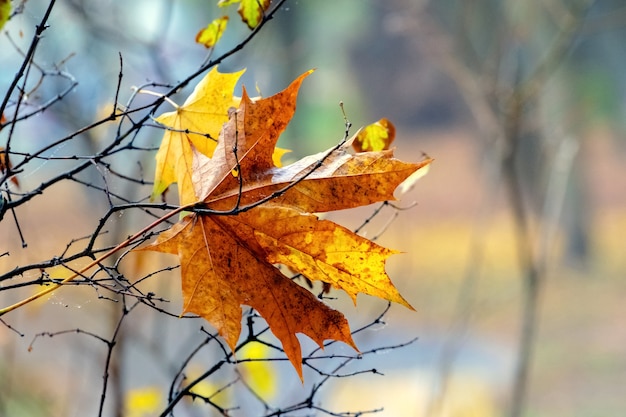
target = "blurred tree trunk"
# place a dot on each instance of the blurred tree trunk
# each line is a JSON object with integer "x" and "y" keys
{"x": 502, "y": 57}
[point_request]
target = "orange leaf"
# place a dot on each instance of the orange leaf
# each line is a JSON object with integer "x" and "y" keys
{"x": 227, "y": 259}
{"x": 219, "y": 274}
{"x": 253, "y": 129}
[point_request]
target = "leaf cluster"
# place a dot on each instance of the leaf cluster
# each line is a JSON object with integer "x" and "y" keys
{"x": 251, "y": 214}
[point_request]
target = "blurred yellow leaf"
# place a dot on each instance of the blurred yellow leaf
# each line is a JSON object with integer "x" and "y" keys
{"x": 206, "y": 388}
{"x": 210, "y": 35}
{"x": 203, "y": 388}
{"x": 259, "y": 375}
{"x": 5, "y": 11}
{"x": 142, "y": 402}
{"x": 375, "y": 137}
{"x": 60, "y": 272}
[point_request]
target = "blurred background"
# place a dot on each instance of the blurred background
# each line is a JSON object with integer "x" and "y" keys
{"x": 513, "y": 254}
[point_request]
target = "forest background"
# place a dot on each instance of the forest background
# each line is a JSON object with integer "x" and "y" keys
{"x": 480, "y": 86}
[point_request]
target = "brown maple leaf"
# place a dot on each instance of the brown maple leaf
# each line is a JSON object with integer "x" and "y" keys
{"x": 254, "y": 214}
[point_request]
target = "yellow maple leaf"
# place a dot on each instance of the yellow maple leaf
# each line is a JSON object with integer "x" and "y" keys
{"x": 195, "y": 124}
{"x": 321, "y": 250}
{"x": 227, "y": 259}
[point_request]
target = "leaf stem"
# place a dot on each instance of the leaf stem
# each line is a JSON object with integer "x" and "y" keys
{"x": 154, "y": 93}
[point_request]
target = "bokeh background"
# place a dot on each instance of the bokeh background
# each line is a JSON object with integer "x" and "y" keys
{"x": 513, "y": 254}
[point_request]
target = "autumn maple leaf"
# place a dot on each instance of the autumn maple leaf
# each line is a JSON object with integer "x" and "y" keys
{"x": 195, "y": 124}
{"x": 254, "y": 214}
